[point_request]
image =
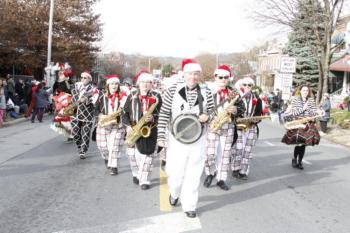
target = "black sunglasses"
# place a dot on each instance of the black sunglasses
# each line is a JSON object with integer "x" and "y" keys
{"x": 223, "y": 77}
{"x": 249, "y": 85}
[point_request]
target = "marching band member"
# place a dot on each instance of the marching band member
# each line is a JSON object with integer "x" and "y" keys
{"x": 247, "y": 134}
{"x": 302, "y": 106}
{"x": 221, "y": 140}
{"x": 62, "y": 98}
{"x": 84, "y": 97}
{"x": 110, "y": 131}
{"x": 141, "y": 108}
{"x": 185, "y": 162}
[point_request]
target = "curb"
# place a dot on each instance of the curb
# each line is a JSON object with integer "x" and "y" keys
{"x": 19, "y": 120}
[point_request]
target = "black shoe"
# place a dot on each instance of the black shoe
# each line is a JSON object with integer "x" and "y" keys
{"x": 135, "y": 180}
{"x": 106, "y": 164}
{"x": 114, "y": 171}
{"x": 300, "y": 166}
{"x": 235, "y": 174}
{"x": 162, "y": 163}
{"x": 69, "y": 140}
{"x": 191, "y": 214}
{"x": 294, "y": 163}
{"x": 208, "y": 180}
{"x": 145, "y": 186}
{"x": 173, "y": 201}
{"x": 82, "y": 156}
{"x": 222, "y": 185}
{"x": 242, "y": 176}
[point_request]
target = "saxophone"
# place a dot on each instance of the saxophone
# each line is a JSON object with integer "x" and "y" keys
{"x": 70, "y": 109}
{"x": 244, "y": 123}
{"x": 300, "y": 123}
{"x": 113, "y": 118}
{"x": 140, "y": 129}
{"x": 223, "y": 117}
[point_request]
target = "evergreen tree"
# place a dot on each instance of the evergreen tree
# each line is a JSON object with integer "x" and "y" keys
{"x": 303, "y": 44}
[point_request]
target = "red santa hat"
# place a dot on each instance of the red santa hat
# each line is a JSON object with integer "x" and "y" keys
{"x": 223, "y": 70}
{"x": 190, "y": 65}
{"x": 112, "y": 78}
{"x": 143, "y": 76}
{"x": 86, "y": 74}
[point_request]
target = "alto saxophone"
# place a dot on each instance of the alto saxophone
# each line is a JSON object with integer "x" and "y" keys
{"x": 113, "y": 118}
{"x": 223, "y": 117}
{"x": 300, "y": 123}
{"x": 70, "y": 109}
{"x": 244, "y": 123}
{"x": 140, "y": 129}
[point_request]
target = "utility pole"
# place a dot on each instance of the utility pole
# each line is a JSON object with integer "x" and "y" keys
{"x": 50, "y": 33}
{"x": 49, "y": 79}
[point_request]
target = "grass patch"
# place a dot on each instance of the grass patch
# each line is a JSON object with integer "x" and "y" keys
{"x": 341, "y": 118}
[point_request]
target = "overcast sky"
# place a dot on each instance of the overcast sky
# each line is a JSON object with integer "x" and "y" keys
{"x": 181, "y": 28}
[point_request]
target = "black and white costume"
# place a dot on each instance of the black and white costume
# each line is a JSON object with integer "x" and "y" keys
{"x": 140, "y": 156}
{"x": 82, "y": 121}
{"x": 246, "y": 137}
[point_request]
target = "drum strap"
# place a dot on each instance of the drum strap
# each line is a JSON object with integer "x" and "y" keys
{"x": 200, "y": 100}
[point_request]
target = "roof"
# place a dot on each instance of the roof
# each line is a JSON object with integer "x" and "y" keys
{"x": 342, "y": 64}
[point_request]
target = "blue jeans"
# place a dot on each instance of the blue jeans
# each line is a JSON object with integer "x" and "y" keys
{"x": 39, "y": 112}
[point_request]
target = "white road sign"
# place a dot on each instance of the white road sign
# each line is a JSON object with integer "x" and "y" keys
{"x": 288, "y": 64}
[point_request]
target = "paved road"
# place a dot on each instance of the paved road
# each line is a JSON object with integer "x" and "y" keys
{"x": 45, "y": 187}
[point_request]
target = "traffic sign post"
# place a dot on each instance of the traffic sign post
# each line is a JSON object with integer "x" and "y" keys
{"x": 284, "y": 78}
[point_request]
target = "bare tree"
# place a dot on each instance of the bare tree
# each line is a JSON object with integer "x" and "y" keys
{"x": 284, "y": 12}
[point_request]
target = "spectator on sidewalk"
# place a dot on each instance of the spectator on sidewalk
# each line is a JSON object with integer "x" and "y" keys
{"x": 32, "y": 97}
{"x": 325, "y": 105}
{"x": 349, "y": 100}
{"x": 10, "y": 87}
{"x": 2, "y": 103}
{"x": 19, "y": 89}
{"x": 41, "y": 102}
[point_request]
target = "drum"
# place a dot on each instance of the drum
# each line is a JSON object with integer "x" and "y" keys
{"x": 186, "y": 128}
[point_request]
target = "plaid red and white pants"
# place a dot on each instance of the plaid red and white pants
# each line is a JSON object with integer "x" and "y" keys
{"x": 242, "y": 150}
{"x": 140, "y": 164}
{"x": 219, "y": 152}
{"x": 110, "y": 142}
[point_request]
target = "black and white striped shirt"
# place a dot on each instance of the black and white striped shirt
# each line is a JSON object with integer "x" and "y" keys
{"x": 298, "y": 104}
{"x": 166, "y": 110}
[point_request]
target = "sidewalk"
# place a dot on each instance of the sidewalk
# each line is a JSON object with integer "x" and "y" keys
{"x": 338, "y": 136}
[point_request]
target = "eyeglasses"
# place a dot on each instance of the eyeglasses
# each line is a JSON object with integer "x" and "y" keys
{"x": 223, "y": 77}
{"x": 245, "y": 84}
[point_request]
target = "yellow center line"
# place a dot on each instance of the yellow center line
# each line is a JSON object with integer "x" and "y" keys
{"x": 164, "y": 192}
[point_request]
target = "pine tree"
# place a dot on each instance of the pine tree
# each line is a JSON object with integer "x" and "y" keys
{"x": 302, "y": 44}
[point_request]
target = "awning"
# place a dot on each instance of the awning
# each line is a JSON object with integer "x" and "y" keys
{"x": 342, "y": 64}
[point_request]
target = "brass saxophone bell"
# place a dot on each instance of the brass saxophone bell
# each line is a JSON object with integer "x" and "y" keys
{"x": 145, "y": 131}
